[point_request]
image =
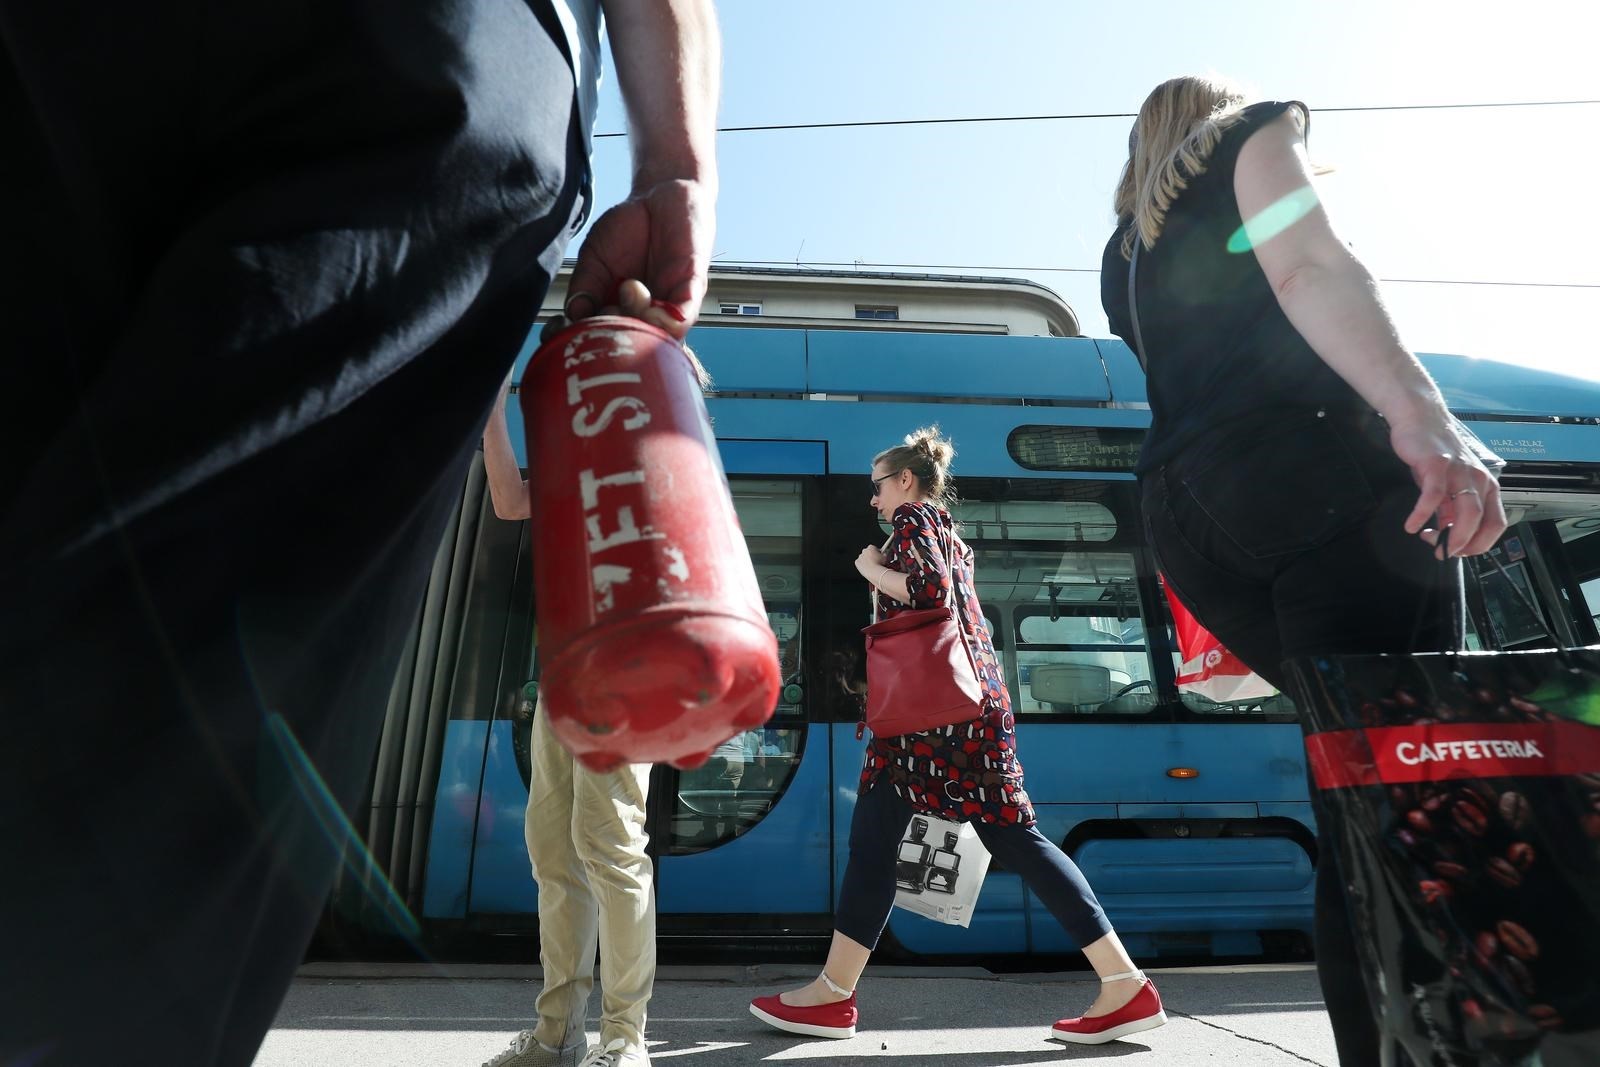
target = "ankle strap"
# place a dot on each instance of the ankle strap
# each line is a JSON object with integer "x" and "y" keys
{"x": 1121, "y": 977}
{"x": 838, "y": 989}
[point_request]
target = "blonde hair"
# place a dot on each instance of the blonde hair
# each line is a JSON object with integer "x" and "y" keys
{"x": 701, "y": 375}
{"x": 927, "y": 455}
{"x": 1178, "y": 128}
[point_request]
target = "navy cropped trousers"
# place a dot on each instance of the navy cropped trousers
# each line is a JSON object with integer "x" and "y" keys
{"x": 880, "y": 822}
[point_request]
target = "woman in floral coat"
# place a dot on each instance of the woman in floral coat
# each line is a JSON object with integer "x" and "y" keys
{"x": 968, "y": 772}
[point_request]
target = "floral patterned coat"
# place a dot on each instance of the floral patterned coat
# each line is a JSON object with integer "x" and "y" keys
{"x": 968, "y": 770}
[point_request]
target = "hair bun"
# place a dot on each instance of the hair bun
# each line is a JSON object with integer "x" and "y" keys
{"x": 933, "y": 445}
{"x": 926, "y": 454}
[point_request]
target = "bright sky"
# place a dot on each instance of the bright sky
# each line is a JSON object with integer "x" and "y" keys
{"x": 1486, "y": 194}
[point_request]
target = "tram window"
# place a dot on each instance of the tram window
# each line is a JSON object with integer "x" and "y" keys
{"x": 1580, "y": 538}
{"x": 735, "y": 788}
{"x": 1513, "y": 623}
{"x": 747, "y": 774}
{"x": 1079, "y": 640}
{"x": 1591, "y": 596}
{"x": 769, "y": 515}
{"x": 1093, "y": 665}
{"x": 993, "y": 522}
{"x": 1034, "y": 520}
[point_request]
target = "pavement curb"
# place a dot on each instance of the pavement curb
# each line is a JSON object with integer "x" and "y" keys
{"x": 731, "y": 974}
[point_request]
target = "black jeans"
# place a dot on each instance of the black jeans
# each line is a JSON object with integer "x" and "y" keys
{"x": 1283, "y": 534}
{"x": 265, "y": 272}
{"x": 879, "y": 824}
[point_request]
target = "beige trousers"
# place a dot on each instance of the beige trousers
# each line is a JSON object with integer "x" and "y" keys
{"x": 586, "y": 838}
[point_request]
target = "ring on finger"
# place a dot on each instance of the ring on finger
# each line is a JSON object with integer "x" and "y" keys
{"x": 593, "y": 301}
{"x": 1462, "y": 492}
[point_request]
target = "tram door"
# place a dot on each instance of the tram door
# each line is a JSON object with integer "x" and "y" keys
{"x": 747, "y": 833}
{"x": 744, "y": 834}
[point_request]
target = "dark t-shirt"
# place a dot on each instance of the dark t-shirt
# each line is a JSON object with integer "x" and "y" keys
{"x": 1217, "y": 345}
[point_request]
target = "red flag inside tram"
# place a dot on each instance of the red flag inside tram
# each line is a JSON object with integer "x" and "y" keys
{"x": 1209, "y": 669}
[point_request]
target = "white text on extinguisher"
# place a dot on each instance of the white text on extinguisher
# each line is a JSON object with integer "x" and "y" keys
{"x": 585, "y": 423}
{"x": 585, "y": 349}
{"x": 627, "y": 531}
{"x": 614, "y": 526}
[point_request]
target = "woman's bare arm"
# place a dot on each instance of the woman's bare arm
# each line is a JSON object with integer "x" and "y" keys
{"x": 1332, "y": 300}
{"x": 507, "y": 489}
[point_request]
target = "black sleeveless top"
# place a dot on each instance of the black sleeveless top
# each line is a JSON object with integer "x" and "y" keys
{"x": 1217, "y": 345}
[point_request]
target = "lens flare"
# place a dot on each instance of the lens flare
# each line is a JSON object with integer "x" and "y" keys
{"x": 336, "y": 827}
{"x": 1273, "y": 220}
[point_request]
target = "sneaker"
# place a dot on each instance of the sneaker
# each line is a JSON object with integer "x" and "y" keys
{"x": 822, "y": 1020}
{"x": 527, "y": 1052}
{"x": 617, "y": 1053}
{"x": 1143, "y": 1012}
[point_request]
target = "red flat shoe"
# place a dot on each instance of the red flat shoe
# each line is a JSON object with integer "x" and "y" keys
{"x": 1143, "y": 1012}
{"x": 823, "y": 1020}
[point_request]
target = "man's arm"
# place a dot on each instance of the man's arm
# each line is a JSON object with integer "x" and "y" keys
{"x": 507, "y": 489}
{"x": 668, "y": 59}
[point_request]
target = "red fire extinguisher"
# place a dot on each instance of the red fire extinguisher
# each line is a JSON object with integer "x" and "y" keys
{"x": 655, "y": 642}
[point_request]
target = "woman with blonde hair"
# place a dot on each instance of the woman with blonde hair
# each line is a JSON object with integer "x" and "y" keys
{"x": 1300, "y": 464}
{"x": 968, "y": 772}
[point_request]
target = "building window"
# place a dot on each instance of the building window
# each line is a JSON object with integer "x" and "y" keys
{"x": 730, "y": 307}
{"x": 877, "y": 311}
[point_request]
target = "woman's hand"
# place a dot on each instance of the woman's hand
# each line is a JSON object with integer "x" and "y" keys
{"x": 1455, "y": 486}
{"x": 870, "y": 563}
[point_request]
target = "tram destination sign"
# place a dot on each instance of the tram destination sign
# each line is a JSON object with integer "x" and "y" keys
{"x": 1099, "y": 449}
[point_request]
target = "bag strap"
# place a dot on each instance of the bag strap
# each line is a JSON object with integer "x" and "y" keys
{"x": 1453, "y": 607}
{"x": 948, "y": 548}
{"x": 872, "y": 587}
{"x": 955, "y": 589}
{"x": 1133, "y": 303}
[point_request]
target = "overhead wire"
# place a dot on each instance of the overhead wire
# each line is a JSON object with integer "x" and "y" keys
{"x": 867, "y": 123}
{"x": 989, "y": 268}
{"x": 864, "y": 123}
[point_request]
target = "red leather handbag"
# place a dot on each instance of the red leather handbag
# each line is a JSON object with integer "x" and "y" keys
{"x": 920, "y": 672}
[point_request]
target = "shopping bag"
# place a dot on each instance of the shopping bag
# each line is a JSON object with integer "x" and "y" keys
{"x": 1208, "y": 668}
{"x": 939, "y": 870}
{"x": 1463, "y": 792}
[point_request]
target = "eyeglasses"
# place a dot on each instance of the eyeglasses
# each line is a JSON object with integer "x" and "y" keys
{"x": 877, "y": 483}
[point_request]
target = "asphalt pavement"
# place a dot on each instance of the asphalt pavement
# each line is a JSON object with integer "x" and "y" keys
{"x": 357, "y": 1015}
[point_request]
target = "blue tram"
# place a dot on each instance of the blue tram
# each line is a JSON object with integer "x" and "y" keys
{"x": 1190, "y": 818}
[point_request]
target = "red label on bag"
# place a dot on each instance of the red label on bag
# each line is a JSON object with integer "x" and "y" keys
{"x": 1391, "y": 755}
